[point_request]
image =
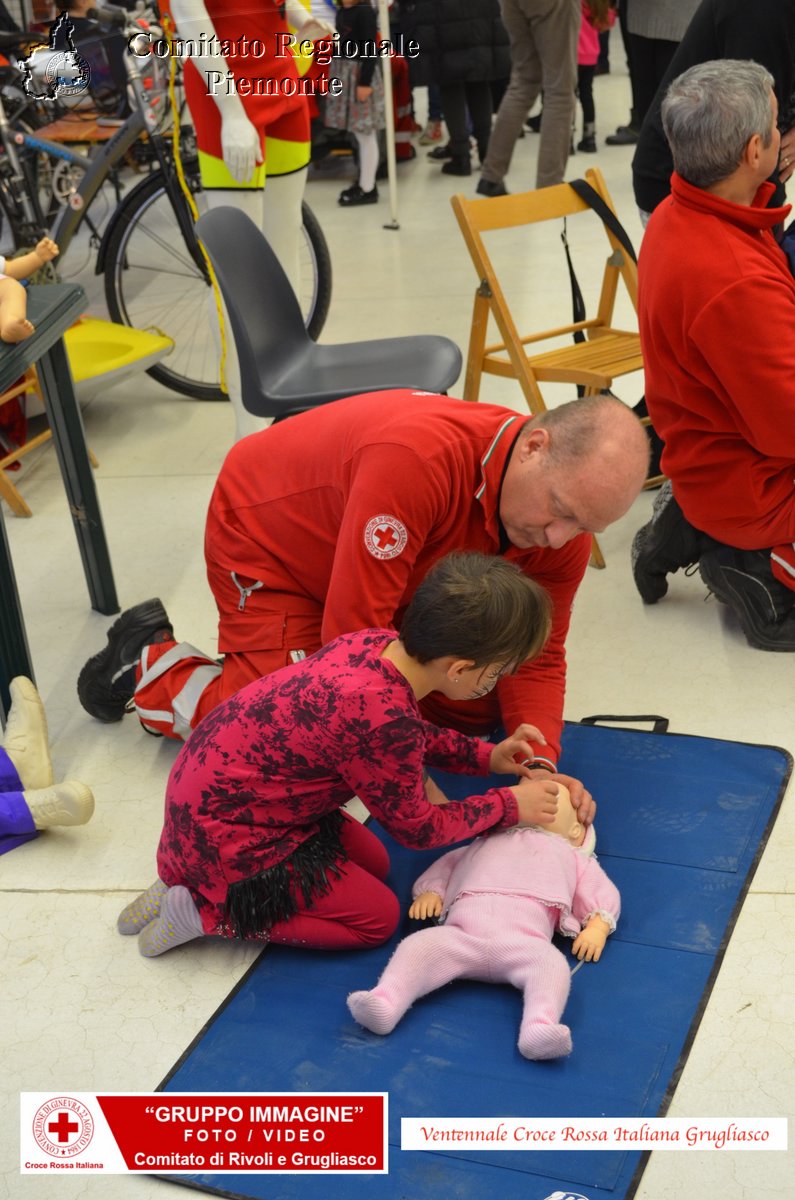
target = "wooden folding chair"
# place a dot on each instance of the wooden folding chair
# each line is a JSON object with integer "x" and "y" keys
{"x": 603, "y": 354}
{"x": 28, "y": 383}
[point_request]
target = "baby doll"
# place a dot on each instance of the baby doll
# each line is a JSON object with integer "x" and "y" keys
{"x": 501, "y": 898}
{"x": 14, "y": 325}
{"x": 30, "y": 800}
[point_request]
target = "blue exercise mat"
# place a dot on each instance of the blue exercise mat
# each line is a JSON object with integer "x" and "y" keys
{"x": 682, "y": 822}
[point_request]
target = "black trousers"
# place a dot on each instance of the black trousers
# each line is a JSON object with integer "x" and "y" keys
{"x": 460, "y": 102}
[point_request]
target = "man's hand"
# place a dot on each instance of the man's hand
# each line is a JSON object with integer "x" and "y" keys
{"x": 786, "y": 157}
{"x": 536, "y": 800}
{"x": 581, "y": 799}
{"x": 503, "y": 756}
{"x": 427, "y": 904}
{"x": 590, "y": 942}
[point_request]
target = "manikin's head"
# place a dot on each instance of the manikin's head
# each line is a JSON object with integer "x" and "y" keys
{"x": 567, "y": 825}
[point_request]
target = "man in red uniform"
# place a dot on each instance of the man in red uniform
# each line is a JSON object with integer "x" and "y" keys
{"x": 717, "y": 323}
{"x": 326, "y": 523}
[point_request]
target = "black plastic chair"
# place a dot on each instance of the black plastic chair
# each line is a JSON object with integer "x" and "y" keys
{"x": 282, "y": 371}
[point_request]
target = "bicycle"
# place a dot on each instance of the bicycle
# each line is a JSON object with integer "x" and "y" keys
{"x": 155, "y": 274}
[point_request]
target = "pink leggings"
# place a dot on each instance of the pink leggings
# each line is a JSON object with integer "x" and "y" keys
{"x": 358, "y": 911}
{"x": 494, "y": 938}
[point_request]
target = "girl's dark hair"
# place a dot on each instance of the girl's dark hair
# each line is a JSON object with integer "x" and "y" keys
{"x": 478, "y": 607}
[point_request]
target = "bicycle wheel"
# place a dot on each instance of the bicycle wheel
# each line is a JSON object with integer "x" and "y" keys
{"x": 152, "y": 281}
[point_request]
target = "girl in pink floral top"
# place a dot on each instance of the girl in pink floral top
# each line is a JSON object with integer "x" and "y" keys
{"x": 255, "y": 843}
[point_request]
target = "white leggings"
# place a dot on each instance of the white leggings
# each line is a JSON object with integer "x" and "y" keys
{"x": 368, "y": 159}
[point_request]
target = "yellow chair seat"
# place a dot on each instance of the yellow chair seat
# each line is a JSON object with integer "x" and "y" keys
{"x": 103, "y": 353}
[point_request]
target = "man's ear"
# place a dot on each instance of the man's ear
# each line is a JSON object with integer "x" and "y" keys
{"x": 754, "y": 150}
{"x": 535, "y": 440}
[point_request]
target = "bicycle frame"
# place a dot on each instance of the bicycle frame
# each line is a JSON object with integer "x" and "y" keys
{"x": 144, "y": 119}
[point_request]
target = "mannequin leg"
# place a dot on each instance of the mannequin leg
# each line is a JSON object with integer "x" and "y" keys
{"x": 276, "y": 210}
{"x": 545, "y": 978}
{"x": 422, "y": 962}
{"x": 281, "y": 221}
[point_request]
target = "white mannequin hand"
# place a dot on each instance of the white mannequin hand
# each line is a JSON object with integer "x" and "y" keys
{"x": 240, "y": 144}
{"x": 307, "y": 28}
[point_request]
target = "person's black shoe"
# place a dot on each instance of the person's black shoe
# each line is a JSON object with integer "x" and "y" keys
{"x": 487, "y": 188}
{"x": 625, "y": 135}
{"x": 664, "y": 544}
{"x": 534, "y": 123}
{"x": 765, "y": 608}
{"x": 588, "y": 144}
{"x": 457, "y": 166}
{"x": 107, "y": 681}
{"x": 440, "y": 153}
{"x": 353, "y": 196}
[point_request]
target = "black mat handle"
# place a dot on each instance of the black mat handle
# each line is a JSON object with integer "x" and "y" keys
{"x": 659, "y": 724}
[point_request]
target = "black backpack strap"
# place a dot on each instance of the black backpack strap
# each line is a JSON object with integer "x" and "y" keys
{"x": 577, "y": 301}
{"x": 595, "y": 201}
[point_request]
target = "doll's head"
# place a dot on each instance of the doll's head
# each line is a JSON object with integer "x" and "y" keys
{"x": 568, "y": 825}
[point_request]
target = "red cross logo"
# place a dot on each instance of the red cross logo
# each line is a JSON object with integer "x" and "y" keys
{"x": 63, "y": 1126}
{"x": 385, "y": 536}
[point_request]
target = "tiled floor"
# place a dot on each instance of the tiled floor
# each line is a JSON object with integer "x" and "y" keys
{"x": 80, "y": 1009}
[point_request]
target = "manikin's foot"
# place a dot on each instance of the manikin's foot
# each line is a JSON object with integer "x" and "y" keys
{"x": 373, "y": 1010}
{"x": 143, "y": 910}
{"x": 16, "y": 330}
{"x": 26, "y": 742}
{"x": 539, "y": 1041}
{"x": 67, "y": 803}
{"x": 107, "y": 681}
{"x": 178, "y": 922}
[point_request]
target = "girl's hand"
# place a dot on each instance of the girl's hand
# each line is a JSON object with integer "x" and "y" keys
{"x": 434, "y": 792}
{"x": 363, "y": 93}
{"x": 504, "y": 755}
{"x": 427, "y": 904}
{"x": 537, "y": 801}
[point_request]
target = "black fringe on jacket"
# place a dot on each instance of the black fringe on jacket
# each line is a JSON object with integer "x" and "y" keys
{"x": 256, "y": 904}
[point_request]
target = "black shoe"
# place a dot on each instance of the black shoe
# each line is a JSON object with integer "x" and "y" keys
{"x": 743, "y": 579}
{"x": 664, "y": 544}
{"x": 487, "y": 188}
{"x": 354, "y": 195}
{"x": 625, "y": 135}
{"x": 588, "y": 144}
{"x": 107, "y": 681}
{"x": 534, "y": 123}
{"x": 457, "y": 166}
{"x": 439, "y": 153}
